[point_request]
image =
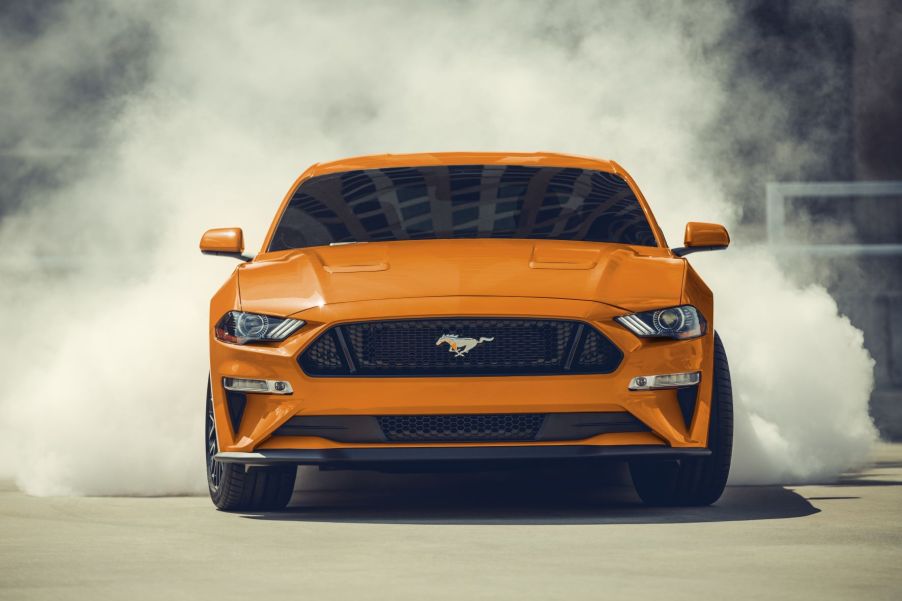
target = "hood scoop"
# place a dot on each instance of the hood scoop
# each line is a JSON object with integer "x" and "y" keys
{"x": 563, "y": 258}
{"x": 351, "y": 258}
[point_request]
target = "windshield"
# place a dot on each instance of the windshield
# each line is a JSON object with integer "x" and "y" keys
{"x": 462, "y": 201}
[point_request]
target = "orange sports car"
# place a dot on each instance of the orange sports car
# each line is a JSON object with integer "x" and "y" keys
{"x": 469, "y": 309}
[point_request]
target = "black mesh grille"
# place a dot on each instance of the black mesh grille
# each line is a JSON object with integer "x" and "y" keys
{"x": 597, "y": 351}
{"x": 460, "y": 347}
{"x": 412, "y": 344}
{"x": 324, "y": 354}
{"x": 461, "y": 428}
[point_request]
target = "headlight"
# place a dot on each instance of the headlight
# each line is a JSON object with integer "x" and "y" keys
{"x": 238, "y": 327}
{"x": 675, "y": 322}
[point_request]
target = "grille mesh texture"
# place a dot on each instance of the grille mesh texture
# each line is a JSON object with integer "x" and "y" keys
{"x": 461, "y": 428}
{"x": 460, "y": 347}
{"x": 324, "y": 354}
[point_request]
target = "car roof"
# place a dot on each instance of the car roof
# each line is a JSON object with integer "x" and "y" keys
{"x": 379, "y": 161}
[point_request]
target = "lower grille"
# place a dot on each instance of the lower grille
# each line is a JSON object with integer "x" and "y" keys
{"x": 511, "y": 427}
{"x": 472, "y": 346}
{"x": 461, "y": 428}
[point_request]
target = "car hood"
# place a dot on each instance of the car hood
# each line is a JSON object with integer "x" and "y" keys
{"x": 630, "y": 277}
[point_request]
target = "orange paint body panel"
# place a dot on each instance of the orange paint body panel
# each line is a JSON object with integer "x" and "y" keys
{"x": 587, "y": 282}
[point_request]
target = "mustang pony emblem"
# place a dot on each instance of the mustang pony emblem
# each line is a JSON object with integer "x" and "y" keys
{"x": 461, "y": 346}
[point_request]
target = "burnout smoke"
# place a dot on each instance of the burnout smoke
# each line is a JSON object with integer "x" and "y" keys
{"x": 104, "y": 359}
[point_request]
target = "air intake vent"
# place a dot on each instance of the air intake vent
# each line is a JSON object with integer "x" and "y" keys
{"x": 461, "y": 428}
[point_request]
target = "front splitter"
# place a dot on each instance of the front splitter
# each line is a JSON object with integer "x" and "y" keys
{"x": 437, "y": 454}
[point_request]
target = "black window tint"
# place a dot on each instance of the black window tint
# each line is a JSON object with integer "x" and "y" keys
{"x": 463, "y": 201}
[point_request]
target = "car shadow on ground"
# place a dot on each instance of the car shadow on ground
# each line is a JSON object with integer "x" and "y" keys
{"x": 868, "y": 477}
{"x": 598, "y": 494}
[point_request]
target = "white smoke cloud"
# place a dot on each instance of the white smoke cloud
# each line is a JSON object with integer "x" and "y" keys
{"x": 109, "y": 360}
{"x": 801, "y": 375}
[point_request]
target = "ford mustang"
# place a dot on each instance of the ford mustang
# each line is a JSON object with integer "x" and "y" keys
{"x": 472, "y": 310}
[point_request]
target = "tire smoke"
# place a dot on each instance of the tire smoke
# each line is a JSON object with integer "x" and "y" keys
{"x": 221, "y": 108}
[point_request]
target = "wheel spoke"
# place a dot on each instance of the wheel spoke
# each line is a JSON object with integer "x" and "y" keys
{"x": 214, "y": 468}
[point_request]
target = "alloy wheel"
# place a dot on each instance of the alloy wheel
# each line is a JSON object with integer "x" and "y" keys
{"x": 214, "y": 468}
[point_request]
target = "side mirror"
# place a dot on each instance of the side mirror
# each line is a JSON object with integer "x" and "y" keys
{"x": 703, "y": 236}
{"x": 224, "y": 241}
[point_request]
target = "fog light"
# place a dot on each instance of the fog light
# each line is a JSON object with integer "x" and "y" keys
{"x": 259, "y": 386}
{"x": 665, "y": 381}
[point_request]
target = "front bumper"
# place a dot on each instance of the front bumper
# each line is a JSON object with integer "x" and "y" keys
{"x": 255, "y": 431}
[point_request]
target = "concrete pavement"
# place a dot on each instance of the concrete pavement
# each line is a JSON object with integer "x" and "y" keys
{"x": 571, "y": 534}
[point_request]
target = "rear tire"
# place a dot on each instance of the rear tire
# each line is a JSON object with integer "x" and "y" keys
{"x": 697, "y": 480}
{"x": 233, "y": 488}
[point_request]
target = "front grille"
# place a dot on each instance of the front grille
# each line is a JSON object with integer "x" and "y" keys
{"x": 460, "y": 347}
{"x": 461, "y": 428}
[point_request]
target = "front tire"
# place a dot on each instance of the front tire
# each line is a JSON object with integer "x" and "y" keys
{"x": 698, "y": 480}
{"x": 233, "y": 488}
